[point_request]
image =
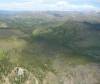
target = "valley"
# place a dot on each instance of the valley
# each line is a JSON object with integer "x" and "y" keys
{"x": 50, "y": 47}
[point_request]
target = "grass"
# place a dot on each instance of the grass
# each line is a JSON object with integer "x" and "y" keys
{"x": 3, "y": 54}
{"x": 12, "y": 42}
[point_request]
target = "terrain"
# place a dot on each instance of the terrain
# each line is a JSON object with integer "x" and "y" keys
{"x": 49, "y": 47}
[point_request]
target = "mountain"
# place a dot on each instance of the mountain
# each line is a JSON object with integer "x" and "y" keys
{"x": 49, "y": 47}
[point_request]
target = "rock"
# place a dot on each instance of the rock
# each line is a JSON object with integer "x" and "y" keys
{"x": 20, "y": 71}
{"x": 50, "y": 79}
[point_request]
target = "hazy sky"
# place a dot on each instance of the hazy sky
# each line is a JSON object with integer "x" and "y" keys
{"x": 60, "y": 5}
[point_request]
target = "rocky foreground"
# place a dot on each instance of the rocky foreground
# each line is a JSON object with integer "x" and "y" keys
{"x": 80, "y": 74}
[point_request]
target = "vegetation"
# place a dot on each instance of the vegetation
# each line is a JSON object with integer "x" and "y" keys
{"x": 51, "y": 48}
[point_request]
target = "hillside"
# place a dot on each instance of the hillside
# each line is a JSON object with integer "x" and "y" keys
{"x": 49, "y": 48}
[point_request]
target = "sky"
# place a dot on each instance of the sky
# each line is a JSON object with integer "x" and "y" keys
{"x": 44, "y": 5}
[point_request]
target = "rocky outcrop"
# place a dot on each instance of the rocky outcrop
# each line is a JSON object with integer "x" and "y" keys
{"x": 80, "y": 74}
